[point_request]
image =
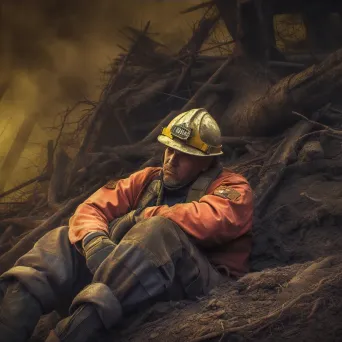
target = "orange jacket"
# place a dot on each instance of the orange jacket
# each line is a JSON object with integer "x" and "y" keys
{"x": 213, "y": 220}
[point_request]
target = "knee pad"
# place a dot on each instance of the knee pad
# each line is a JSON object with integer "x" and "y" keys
{"x": 107, "y": 305}
{"x": 155, "y": 227}
{"x": 34, "y": 282}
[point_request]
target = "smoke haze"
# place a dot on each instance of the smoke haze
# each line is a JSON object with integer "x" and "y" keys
{"x": 52, "y": 52}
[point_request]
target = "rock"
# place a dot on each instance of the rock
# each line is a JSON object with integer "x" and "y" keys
{"x": 180, "y": 305}
{"x": 213, "y": 304}
{"x": 154, "y": 335}
{"x": 312, "y": 150}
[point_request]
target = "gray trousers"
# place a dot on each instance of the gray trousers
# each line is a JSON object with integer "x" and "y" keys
{"x": 154, "y": 261}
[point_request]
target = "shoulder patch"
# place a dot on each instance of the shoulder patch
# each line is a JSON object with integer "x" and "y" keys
{"x": 227, "y": 192}
{"x": 111, "y": 184}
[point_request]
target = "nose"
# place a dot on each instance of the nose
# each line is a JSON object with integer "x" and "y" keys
{"x": 173, "y": 158}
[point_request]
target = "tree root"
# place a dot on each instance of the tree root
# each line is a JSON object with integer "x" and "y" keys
{"x": 267, "y": 320}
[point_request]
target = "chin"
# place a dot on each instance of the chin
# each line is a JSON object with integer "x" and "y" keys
{"x": 169, "y": 181}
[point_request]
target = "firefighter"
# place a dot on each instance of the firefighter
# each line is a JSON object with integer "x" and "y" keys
{"x": 164, "y": 233}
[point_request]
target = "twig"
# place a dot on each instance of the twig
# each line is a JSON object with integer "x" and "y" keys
{"x": 172, "y": 95}
{"x": 8, "y": 259}
{"x": 300, "y": 139}
{"x": 287, "y": 64}
{"x": 327, "y": 128}
{"x": 28, "y": 222}
{"x": 191, "y": 48}
{"x": 309, "y": 168}
{"x": 121, "y": 47}
{"x": 215, "y": 47}
{"x": 312, "y": 121}
{"x": 22, "y": 185}
{"x": 333, "y": 109}
{"x": 203, "y": 89}
{"x": 315, "y": 307}
{"x": 152, "y": 135}
{"x": 274, "y": 169}
{"x": 95, "y": 120}
{"x": 197, "y": 7}
{"x": 66, "y": 114}
{"x": 217, "y": 87}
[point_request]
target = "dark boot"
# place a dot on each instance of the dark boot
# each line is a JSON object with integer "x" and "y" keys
{"x": 19, "y": 313}
{"x": 82, "y": 326}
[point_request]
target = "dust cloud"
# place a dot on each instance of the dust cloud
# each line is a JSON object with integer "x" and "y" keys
{"x": 51, "y": 55}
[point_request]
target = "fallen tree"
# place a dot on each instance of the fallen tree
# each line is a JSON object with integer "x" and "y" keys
{"x": 268, "y": 112}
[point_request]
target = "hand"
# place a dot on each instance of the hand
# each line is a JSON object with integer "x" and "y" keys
{"x": 96, "y": 247}
{"x": 123, "y": 225}
{"x": 138, "y": 215}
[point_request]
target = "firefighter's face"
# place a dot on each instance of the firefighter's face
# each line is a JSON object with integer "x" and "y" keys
{"x": 180, "y": 168}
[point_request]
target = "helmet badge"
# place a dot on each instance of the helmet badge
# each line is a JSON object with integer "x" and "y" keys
{"x": 181, "y": 132}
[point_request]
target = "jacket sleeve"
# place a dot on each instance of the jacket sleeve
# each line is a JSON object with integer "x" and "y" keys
{"x": 104, "y": 205}
{"x": 213, "y": 219}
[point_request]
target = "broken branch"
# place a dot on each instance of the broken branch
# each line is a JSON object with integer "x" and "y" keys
{"x": 24, "y": 245}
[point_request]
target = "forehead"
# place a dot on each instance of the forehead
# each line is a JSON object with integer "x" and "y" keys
{"x": 170, "y": 150}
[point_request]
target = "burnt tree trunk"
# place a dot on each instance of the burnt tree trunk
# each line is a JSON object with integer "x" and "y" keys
{"x": 266, "y": 112}
{"x": 251, "y": 25}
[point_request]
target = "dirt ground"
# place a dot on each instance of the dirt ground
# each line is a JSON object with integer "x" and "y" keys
{"x": 294, "y": 292}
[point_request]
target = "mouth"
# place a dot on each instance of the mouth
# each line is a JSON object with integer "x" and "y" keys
{"x": 169, "y": 171}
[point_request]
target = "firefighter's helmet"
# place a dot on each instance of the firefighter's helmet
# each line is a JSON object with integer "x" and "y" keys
{"x": 193, "y": 132}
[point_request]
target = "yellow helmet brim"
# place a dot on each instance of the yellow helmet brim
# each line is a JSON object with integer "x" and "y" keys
{"x": 180, "y": 146}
